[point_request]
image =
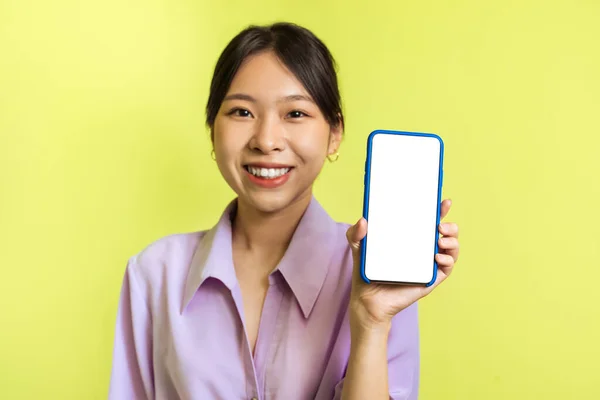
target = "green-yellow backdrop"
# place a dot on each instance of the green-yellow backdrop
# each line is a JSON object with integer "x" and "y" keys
{"x": 103, "y": 150}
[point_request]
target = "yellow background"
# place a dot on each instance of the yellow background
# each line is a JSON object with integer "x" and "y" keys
{"x": 103, "y": 150}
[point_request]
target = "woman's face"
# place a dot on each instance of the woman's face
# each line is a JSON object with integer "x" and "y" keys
{"x": 270, "y": 138}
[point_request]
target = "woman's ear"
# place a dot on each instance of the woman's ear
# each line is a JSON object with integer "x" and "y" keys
{"x": 335, "y": 136}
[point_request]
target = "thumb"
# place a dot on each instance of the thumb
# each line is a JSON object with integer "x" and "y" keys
{"x": 356, "y": 233}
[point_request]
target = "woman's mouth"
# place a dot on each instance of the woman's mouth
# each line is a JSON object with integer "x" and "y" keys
{"x": 267, "y": 173}
{"x": 268, "y": 176}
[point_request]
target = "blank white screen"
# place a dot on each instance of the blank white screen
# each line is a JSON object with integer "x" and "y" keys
{"x": 402, "y": 210}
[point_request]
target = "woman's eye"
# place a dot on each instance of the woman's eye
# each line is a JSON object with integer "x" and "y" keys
{"x": 296, "y": 114}
{"x": 240, "y": 112}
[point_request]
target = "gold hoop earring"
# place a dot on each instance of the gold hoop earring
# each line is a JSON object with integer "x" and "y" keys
{"x": 337, "y": 155}
{"x": 213, "y": 155}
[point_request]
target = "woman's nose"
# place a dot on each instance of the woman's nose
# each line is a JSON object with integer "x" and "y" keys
{"x": 268, "y": 136}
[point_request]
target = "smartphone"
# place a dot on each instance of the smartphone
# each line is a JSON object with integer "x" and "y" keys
{"x": 402, "y": 196}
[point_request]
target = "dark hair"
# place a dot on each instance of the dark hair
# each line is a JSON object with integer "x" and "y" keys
{"x": 305, "y": 55}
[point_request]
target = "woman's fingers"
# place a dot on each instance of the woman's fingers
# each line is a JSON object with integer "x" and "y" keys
{"x": 450, "y": 246}
{"x": 356, "y": 233}
{"x": 445, "y": 263}
{"x": 446, "y": 204}
{"x": 448, "y": 243}
{"x": 449, "y": 229}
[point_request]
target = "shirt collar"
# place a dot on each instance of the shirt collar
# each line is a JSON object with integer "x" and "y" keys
{"x": 304, "y": 265}
{"x": 212, "y": 258}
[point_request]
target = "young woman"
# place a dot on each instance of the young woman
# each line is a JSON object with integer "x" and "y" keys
{"x": 268, "y": 303}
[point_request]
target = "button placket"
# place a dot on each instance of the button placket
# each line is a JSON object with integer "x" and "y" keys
{"x": 266, "y": 334}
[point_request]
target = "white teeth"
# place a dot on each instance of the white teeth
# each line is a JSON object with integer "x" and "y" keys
{"x": 268, "y": 173}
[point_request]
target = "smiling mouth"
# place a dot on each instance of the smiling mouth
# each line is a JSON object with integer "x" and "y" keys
{"x": 267, "y": 173}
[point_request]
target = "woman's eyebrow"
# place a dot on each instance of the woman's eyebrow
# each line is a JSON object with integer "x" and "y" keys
{"x": 295, "y": 97}
{"x": 285, "y": 99}
{"x": 240, "y": 96}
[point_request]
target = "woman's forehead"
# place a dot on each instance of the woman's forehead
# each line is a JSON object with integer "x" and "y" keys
{"x": 265, "y": 77}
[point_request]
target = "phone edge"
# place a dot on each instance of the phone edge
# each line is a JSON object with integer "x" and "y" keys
{"x": 366, "y": 191}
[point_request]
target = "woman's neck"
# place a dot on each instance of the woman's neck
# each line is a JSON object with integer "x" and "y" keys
{"x": 267, "y": 233}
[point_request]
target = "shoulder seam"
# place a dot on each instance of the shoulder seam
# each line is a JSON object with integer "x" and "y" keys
{"x": 134, "y": 282}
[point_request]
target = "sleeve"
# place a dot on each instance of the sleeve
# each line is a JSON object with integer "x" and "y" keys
{"x": 403, "y": 357}
{"x": 131, "y": 374}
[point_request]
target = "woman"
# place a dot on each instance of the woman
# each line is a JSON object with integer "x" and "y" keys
{"x": 268, "y": 304}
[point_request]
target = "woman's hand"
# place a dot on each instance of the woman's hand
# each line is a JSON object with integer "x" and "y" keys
{"x": 374, "y": 305}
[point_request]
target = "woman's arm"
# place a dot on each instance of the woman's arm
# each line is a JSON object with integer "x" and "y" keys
{"x": 367, "y": 373}
{"x": 131, "y": 375}
{"x": 384, "y": 360}
{"x": 373, "y": 307}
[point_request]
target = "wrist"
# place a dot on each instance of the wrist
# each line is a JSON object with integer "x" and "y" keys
{"x": 363, "y": 322}
{"x": 365, "y": 327}
{"x": 370, "y": 330}
{"x": 368, "y": 341}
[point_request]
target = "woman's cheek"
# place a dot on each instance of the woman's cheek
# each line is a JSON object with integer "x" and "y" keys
{"x": 311, "y": 143}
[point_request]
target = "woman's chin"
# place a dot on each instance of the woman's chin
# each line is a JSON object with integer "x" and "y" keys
{"x": 270, "y": 202}
{"x": 267, "y": 202}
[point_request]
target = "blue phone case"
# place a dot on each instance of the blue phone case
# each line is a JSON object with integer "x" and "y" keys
{"x": 364, "y": 242}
